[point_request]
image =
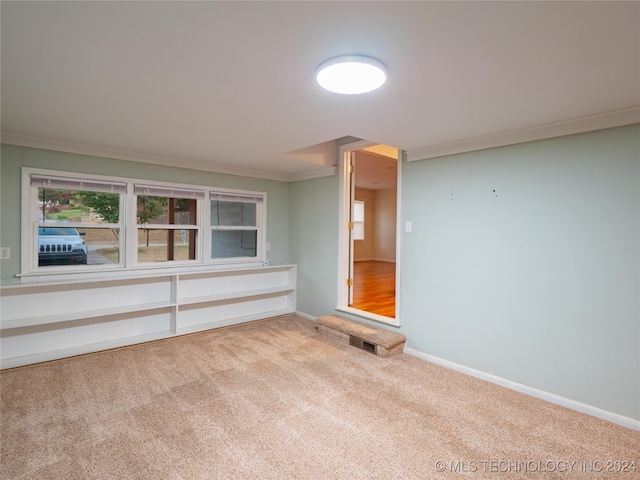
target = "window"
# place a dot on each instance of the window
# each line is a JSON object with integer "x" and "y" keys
{"x": 167, "y": 223}
{"x": 87, "y": 223}
{"x": 358, "y": 219}
{"x": 235, "y": 225}
{"x": 74, "y": 221}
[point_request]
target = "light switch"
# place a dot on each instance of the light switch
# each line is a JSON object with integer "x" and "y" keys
{"x": 408, "y": 226}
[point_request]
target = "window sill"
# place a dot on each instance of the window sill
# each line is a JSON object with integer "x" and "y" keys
{"x": 119, "y": 273}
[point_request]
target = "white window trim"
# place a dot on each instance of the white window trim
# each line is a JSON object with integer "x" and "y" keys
{"x": 29, "y": 254}
{"x": 128, "y": 225}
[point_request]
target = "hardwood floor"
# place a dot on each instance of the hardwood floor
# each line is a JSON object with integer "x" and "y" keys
{"x": 374, "y": 287}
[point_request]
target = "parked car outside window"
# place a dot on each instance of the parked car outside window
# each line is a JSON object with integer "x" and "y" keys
{"x": 60, "y": 245}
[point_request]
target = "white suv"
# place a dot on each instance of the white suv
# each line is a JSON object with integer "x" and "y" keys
{"x": 60, "y": 245}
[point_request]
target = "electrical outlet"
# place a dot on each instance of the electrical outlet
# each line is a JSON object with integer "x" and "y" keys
{"x": 5, "y": 253}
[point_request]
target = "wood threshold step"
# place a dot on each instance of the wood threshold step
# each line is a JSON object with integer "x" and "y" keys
{"x": 387, "y": 342}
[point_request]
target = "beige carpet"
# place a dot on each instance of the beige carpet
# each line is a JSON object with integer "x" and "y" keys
{"x": 274, "y": 400}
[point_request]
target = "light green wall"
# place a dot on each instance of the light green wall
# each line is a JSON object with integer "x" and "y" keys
{"x": 536, "y": 282}
{"x": 13, "y": 158}
{"x": 10, "y": 158}
{"x": 314, "y": 243}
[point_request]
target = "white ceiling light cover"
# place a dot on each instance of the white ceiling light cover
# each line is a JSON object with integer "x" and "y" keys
{"x": 351, "y": 74}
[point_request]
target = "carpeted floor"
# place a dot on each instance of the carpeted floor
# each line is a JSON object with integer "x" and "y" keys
{"x": 274, "y": 400}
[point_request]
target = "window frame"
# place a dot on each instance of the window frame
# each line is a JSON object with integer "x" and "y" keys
{"x": 260, "y": 199}
{"x": 172, "y": 191}
{"x": 128, "y": 225}
{"x": 30, "y": 223}
{"x": 357, "y": 222}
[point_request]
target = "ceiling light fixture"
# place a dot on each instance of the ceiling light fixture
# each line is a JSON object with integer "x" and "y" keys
{"x": 351, "y": 74}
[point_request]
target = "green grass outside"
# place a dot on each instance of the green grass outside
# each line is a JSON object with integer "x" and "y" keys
{"x": 72, "y": 214}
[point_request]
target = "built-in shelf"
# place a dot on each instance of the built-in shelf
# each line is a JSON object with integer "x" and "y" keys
{"x": 43, "y": 321}
{"x": 70, "y": 317}
{"x": 237, "y": 295}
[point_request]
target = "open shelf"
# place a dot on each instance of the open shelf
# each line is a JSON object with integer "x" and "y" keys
{"x": 41, "y": 320}
{"x": 237, "y": 295}
{"x": 70, "y": 317}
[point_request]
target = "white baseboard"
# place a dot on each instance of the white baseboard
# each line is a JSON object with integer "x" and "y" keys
{"x": 518, "y": 387}
{"x": 534, "y": 392}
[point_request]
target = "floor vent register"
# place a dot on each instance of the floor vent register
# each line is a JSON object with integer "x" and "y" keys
{"x": 376, "y": 340}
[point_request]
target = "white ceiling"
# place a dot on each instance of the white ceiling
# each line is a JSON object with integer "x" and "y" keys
{"x": 217, "y": 85}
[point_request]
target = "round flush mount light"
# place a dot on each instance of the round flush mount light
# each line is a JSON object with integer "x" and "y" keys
{"x": 351, "y": 74}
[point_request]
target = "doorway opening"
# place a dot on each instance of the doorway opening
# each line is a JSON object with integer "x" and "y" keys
{"x": 369, "y": 207}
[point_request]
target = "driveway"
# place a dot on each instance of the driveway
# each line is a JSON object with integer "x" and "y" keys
{"x": 94, "y": 257}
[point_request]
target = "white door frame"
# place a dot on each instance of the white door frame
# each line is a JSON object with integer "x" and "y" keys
{"x": 350, "y": 160}
{"x": 344, "y": 214}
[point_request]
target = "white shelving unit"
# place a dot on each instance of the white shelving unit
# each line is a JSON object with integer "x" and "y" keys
{"x": 45, "y": 321}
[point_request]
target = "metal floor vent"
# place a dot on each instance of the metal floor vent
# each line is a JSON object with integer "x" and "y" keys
{"x": 363, "y": 344}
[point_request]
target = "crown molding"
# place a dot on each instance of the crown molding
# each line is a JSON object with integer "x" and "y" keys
{"x": 323, "y": 172}
{"x": 82, "y": 149}
{"x": 601, "y": 121}
{"x": 617, "y": 118}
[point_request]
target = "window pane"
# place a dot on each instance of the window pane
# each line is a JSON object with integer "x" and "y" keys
{"x": 233, "y": 214}
{"x": 102, "y": 245}
{"x": 78, "y": 206}
{"x": 59, "y": 242}
{"x": 358, "y": 231}
{"x": 158, "y": 210}
{"x": 234, "y": 243}
{"x": 159, "y": 245}
{"x": 63, "y": 245}
{"x": 358, "y": 210}
{"x": 358, "y": 219}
